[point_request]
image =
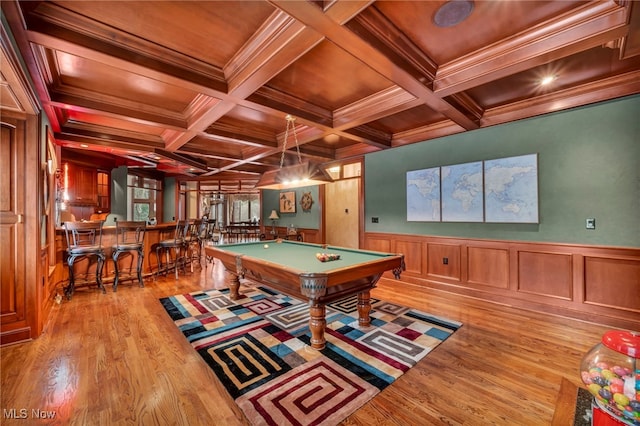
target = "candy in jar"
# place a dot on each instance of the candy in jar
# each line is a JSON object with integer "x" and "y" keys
{"x": 611, "y": 373}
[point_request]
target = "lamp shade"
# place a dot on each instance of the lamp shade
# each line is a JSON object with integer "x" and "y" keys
{"x": 296, "y": 176}
{"x": 274, "y": 215}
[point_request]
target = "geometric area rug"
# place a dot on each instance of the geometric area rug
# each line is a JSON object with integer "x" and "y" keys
{"x": 259, "y": 348}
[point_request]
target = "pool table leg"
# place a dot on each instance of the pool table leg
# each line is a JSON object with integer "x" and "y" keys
{"x": 234, "y": 287}
{"x": 317, "y": 323}
{"x": 364, "y": 307}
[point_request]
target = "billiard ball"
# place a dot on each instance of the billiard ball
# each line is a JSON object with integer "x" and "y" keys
{"x": 266, "y": 246}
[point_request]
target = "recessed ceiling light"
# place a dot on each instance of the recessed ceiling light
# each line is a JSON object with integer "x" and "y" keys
{"x": 547, "y": 80}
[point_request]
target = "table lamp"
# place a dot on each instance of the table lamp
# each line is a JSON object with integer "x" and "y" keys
{"x": 273, "y": 216}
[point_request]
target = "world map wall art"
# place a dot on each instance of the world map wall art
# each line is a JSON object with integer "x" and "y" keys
{"x": 503, "y": 190}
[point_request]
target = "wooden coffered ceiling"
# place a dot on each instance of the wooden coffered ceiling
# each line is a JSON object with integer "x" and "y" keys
{"x": 202, "y": 88}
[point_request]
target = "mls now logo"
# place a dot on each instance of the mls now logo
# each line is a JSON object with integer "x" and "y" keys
{"x": 15, "y": 413}
{"x": 23, "y": 413}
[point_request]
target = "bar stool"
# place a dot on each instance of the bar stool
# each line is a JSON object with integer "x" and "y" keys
{"x": 195, "y": 240}
{"x": 191, "y": 241}
{"x": 177, "y": 243}
{"x": 84, "y": 240}
{"x": 211, "y": 236}
{"x": 129, "y": 239}
{"x": 211, "y": 233}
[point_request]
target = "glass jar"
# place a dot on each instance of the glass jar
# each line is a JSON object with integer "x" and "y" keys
{"x": 611, "y": 373}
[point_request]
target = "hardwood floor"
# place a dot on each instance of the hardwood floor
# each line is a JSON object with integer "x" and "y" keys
{"x": 118, "y": 359}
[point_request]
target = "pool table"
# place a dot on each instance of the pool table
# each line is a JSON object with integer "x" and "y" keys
{"x": 293, "y": 268}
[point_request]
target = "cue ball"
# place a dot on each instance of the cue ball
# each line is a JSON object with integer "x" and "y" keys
{"x": 266, "y": 246}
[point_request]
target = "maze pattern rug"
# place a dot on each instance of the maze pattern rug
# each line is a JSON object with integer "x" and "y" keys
{"x": 259, "y": 348}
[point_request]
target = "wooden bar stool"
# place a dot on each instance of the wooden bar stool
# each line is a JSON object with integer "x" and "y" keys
{"x": 211, "y": 236}
{"x": 193, "y": 241}
{"x": 129, "y": 239}
{"x": 84, "y": 240}
{"x": 203, "y": 234}
{"x": 211, "y": 233}
{"x": 177, "y": 244}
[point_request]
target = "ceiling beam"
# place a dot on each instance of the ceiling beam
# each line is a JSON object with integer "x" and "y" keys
{"x": 311, "y": 15}
{"x": 63, "y": 25}
{"x": 592, "y": 25}
{"x": 613, "y": 87}
{"x": 201, "y": 165}
{"x": 125, "y": 111}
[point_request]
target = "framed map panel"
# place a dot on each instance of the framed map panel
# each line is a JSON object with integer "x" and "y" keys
{"x": 423, "y": 195}
{"x": 511, "y": 189}
{"x": 462, "y": 192}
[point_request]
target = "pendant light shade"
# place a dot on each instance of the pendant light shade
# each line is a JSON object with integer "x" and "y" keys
{"x": 295, "y": 176}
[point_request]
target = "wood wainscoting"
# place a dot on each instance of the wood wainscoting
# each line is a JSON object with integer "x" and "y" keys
{"x": 308, "y": 235}
{"x": 591, "y": 283}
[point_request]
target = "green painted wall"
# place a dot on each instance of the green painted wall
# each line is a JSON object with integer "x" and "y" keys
{"x": 588, "y": 164}
{"x": 119, "y": 192}
{"x": 169, "y": 200}
{"x": 299, "y": 219}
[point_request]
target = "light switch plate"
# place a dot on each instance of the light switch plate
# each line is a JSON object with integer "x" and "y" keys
{"x": 591, "y": 223}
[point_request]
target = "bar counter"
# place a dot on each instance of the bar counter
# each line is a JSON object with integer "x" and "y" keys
{"x": 153, "y": 234}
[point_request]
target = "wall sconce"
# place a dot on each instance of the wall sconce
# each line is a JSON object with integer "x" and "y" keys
{"x": 65, "y": 189}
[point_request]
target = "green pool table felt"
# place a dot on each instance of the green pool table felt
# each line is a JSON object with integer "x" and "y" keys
{"x": 302, "y": 256}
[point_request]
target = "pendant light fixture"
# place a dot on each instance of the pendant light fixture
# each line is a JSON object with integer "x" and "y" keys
{"x": 295, "y": 176}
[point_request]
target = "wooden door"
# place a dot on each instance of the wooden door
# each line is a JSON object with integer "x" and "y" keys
{"x": 342, "y": 204}
{"x": 13, "y": 298}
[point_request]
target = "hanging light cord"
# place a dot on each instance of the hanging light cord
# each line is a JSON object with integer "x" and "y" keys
{"x": 291, "y": 124}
